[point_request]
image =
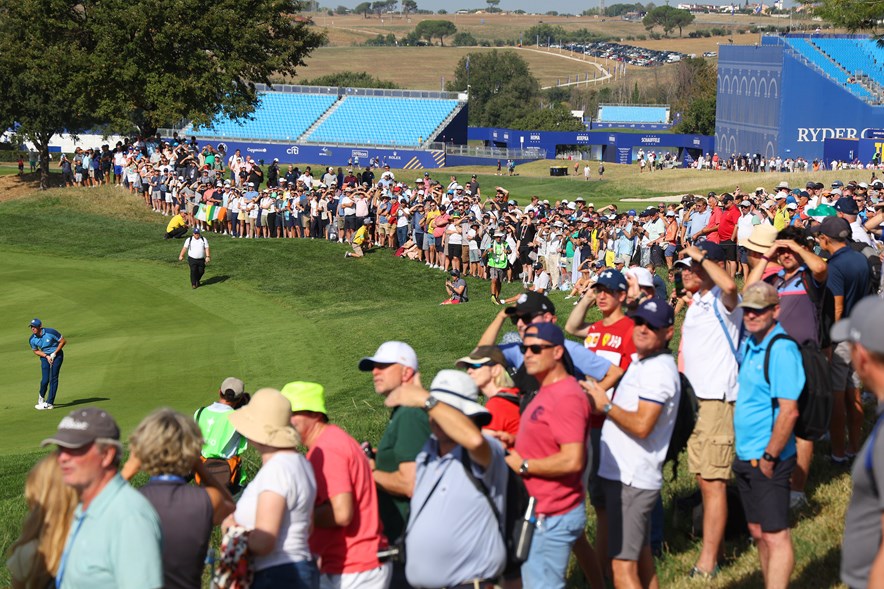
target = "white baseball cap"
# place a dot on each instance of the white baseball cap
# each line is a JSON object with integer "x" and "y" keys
{"x": 391, "y": 353}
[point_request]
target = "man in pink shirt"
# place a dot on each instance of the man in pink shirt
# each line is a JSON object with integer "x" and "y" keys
{"x": 347, "y": 531}
{"x": 550, "y": 454}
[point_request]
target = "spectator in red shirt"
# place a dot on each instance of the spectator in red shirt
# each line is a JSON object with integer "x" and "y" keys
{"x": 489, "y": 369}
{"x": 347, "y": 531}
{"x": 727, "y": 231}
{"x": 711, "y": 230}
{"x": 610, "y": 338}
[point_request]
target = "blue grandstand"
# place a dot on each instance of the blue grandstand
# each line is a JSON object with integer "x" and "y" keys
{"x": 619, "y": 113}
{"x": 850, "y": 61}
{"x": 341, "y": 116}
{"x": 380, "y": 120}
{"x": 280, "y": 115}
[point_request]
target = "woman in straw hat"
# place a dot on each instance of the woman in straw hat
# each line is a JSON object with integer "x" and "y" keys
{"x": 277, "y": 506}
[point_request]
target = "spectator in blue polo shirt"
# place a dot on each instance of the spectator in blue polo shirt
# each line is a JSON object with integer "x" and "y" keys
{"x": 47, "y": 344}
{"x": 764, "y": 418}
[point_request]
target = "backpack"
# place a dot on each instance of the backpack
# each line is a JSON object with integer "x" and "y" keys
{"x": 874, "y": 260}
{"x": 517, "y": 500}
{"x": 815, "y": 402}
{"x": 685, "y": 421}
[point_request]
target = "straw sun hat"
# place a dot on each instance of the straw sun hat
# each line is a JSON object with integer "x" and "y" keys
{"x": 265, "y": 420}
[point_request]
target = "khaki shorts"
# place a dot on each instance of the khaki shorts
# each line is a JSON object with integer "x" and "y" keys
{"x": 386, "y": 229}
{"x": 357, "y": 250}
{"x": 711, "y": 446}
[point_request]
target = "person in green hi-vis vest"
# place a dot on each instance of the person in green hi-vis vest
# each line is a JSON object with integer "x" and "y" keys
{"x": 497, "y": 260}
{"x": 223, "y": 446}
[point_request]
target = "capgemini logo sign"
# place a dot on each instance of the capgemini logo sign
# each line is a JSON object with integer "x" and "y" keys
{"x": 293, "y": 150}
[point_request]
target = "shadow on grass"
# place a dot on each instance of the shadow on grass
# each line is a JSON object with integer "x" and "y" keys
{"x": 83, "y": 401}
{"x": 819, "y": 573}
{"x": 214, "y": 280}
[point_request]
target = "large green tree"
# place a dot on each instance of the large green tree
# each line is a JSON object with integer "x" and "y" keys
{"x": 430, "y": 29}
{"x": 668, "y": 18}
{"x": 350, "y": 79}
{"x": 46, "y": 68}
{"x": 554, "y": 118}
{"x": 696, "y": 80}
{"x": 502, "y": 88}
{"x": 853, "y": 15}
{"x": 193, "y": 60}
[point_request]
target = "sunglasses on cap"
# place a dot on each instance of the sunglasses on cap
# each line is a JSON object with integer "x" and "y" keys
{"x": 535, "y": 348}
{"x": 525, "y": 318}
{"x": 478, "y": 365}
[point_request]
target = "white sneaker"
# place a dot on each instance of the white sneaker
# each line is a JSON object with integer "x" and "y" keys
{"x": 48, "y": 406}
{"x": 40, "y": 406}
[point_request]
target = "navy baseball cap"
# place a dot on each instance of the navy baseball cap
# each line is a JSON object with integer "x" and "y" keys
{"x": 847, "y": 206}
{"x": 533, "y": 303}
{"x": 612, "y": 280}
{"x": 631, "y": 212}
{"x": 548, "y": 332}
{"x": 656, "y": 313}
{"x": 35, "y": 323}
{"x": 196, "y": 230}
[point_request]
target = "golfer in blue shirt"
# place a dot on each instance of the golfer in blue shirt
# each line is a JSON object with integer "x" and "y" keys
{"x": 47, "y": 344}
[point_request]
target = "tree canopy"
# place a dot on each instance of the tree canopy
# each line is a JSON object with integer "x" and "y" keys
{"x": 351, "y": 80}
{"x": 554, "y": 118}
{"x": 668, "y": 18}
{"x": 502, "y": 88}
{"x": 429, "y": 29}
{"x": 853, "y": 15}
{"x": 139, "y": 66}
{"x": 696, "y": 80}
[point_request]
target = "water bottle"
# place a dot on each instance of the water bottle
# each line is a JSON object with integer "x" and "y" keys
{"x": 526, "y": 531}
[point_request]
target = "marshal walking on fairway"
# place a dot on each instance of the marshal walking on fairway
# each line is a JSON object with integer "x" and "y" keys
{"x": 47, "y": 344}
{"x": 197, "y": 249}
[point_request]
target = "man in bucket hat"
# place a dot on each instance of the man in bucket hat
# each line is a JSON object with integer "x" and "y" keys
{"x": 114, "y": 540}
{"x": 454, "y": 537}
{"x": 347, "y": 532}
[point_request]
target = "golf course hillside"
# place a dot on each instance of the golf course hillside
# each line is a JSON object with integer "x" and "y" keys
{"x": 93, "y": 264}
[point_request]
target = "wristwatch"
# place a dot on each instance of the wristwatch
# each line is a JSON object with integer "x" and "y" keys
{"x": 523, "y": 468}
{"x": 430, "y": 403}
{"x": 606, "y": 408}
{"x": 769, "y": 458}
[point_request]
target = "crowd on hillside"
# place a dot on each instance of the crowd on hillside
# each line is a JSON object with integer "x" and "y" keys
{"x": 482, "y": 476}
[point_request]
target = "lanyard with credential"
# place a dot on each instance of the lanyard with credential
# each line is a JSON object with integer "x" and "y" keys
{"x": 67, "y": 551}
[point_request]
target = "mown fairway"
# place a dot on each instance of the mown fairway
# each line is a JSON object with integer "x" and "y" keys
{"x": 93, "y": 264}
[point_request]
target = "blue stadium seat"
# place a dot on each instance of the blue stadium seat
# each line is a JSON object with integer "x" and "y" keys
{"x": 403, "y": 121}
{"x": 633, "y": 114}
{"x": 279, "y": 115}
{"x": 813, "y": 53}
{"x": 855, "y": 55}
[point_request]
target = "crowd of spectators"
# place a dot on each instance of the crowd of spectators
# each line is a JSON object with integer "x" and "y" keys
{"x": 570, "y": 418}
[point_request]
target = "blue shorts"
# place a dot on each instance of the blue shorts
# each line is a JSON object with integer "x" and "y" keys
{"x": 118, "y": 170}
{"x": 670, "y": 251}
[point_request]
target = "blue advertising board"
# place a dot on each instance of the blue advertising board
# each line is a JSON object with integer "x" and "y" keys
{"x": 333, "y": 155}
{"x": 617, "y": 147}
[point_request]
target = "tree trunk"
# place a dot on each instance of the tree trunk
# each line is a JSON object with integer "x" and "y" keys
{"x": 41, "y": 142}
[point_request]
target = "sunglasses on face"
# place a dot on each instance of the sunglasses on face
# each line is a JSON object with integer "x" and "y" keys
{"x": 528, "y": 318}
{"x": 535, "y": 348}
{"x": 639, "y": 322}
{"x": 767, "y": 309}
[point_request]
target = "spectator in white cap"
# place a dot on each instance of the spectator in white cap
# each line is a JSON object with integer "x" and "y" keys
{"x": 393, "y": 365}
{"x": 115, "y": 538}
{"x": 454, "y": 536}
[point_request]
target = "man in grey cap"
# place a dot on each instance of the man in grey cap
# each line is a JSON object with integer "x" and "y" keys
{"x": 115, "y": 537}
{"x": 223, "y": 445}
{"x": 862, "y": 556}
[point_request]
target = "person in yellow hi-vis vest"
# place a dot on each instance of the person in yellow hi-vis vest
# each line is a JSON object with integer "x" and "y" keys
{"x": 361, "y": 239}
